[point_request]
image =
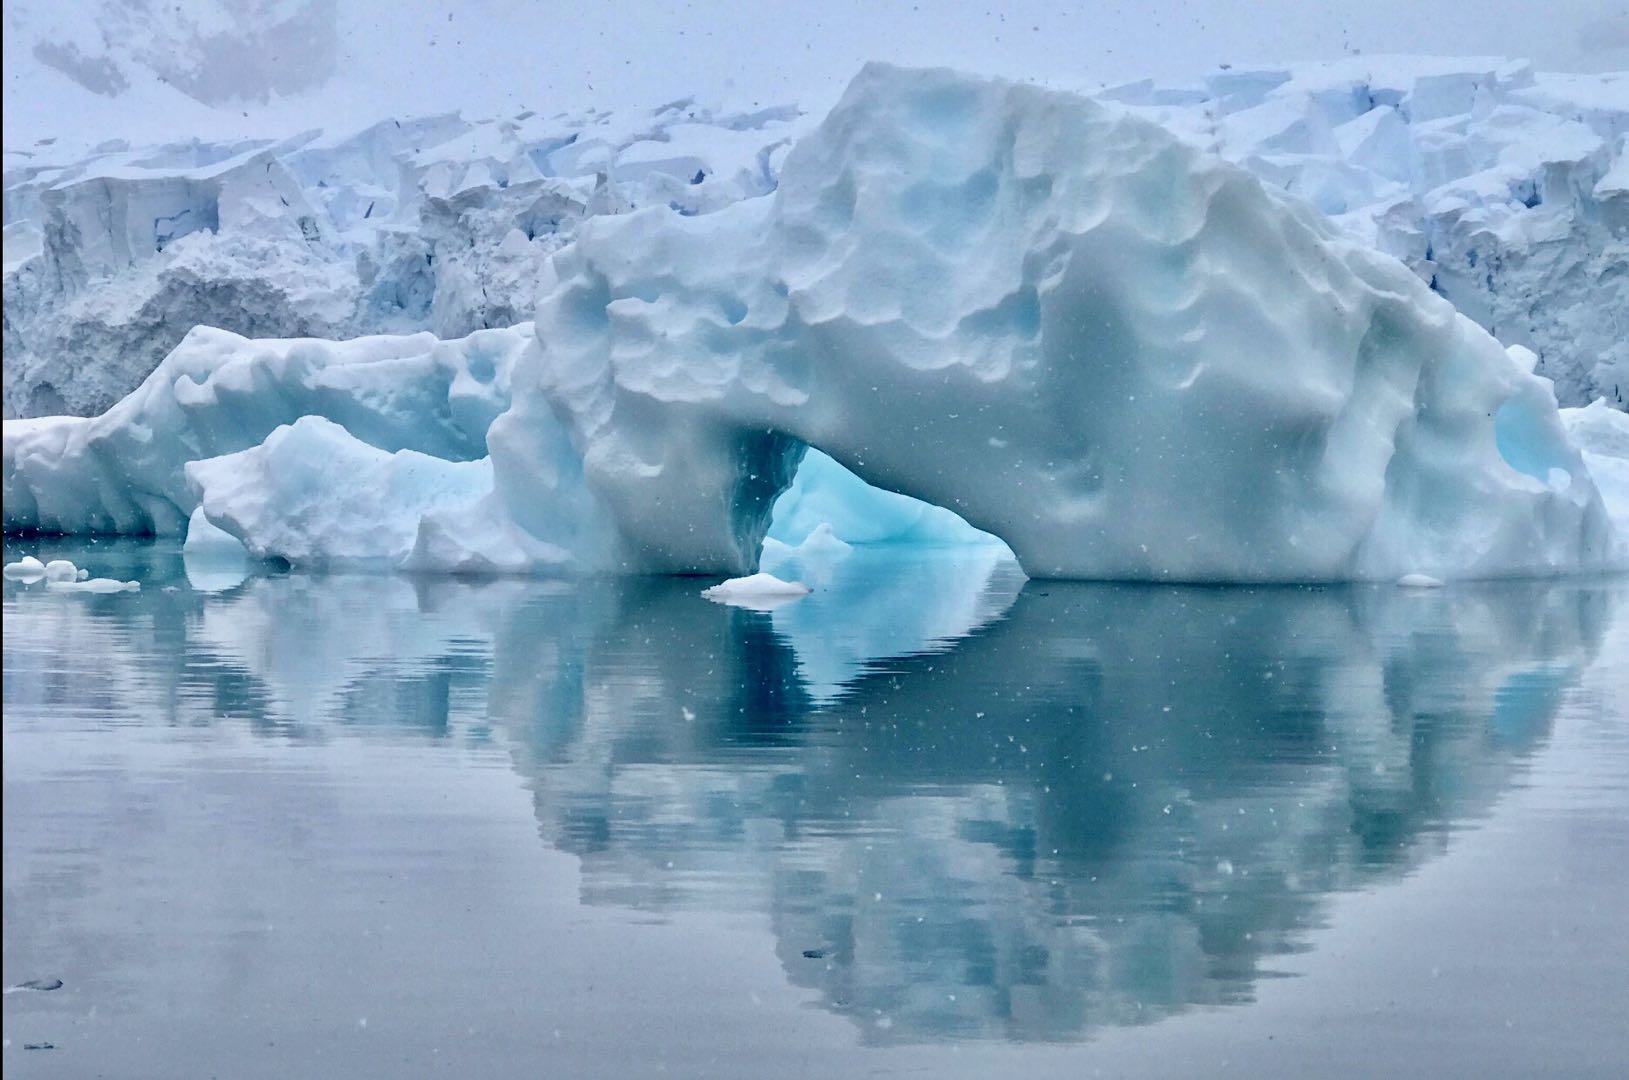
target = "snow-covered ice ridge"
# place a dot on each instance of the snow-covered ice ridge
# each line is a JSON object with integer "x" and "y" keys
{"x": 1505, "y": 188}
{"x": 1125, "y": 357}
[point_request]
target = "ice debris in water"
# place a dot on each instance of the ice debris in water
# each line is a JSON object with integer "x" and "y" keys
{"x": 758, "y": 591}
{"x": 94, "y": 585}
{"x": 35, "y": 985}
{"x": 61, "y": 575}
{"x": 26, "y": 569}
{"x": 1419, "y": 581}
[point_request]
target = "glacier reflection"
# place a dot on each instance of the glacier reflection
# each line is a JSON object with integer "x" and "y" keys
{"x": 969, "y": 808}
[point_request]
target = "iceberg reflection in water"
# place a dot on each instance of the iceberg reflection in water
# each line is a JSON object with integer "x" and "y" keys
{"x": 971, "y": 807}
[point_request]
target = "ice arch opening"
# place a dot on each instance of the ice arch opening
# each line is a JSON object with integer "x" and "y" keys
{"x": 825, "y": 494}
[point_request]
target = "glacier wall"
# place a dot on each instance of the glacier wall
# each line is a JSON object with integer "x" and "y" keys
{"x": 436, "y": 223}
{"x": 1508, "y": 189}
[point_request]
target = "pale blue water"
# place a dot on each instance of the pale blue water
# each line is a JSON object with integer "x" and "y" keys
{"x": 929, "y": 821}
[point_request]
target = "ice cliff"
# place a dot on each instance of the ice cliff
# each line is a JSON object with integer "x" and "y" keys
{"x": 1505, "y": 188}
{"x": 1122, "y": 355}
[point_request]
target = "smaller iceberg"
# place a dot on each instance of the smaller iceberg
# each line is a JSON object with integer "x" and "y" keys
{"x": 758, "y": 591}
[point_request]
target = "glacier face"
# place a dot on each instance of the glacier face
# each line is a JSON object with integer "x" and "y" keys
{"x": 1119, "y": 354}
{"x": 1504, "y": 187}
{"x": 436, "y": 223}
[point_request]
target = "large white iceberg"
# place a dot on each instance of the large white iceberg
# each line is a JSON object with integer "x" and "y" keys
{"x": 1121, "y": 355}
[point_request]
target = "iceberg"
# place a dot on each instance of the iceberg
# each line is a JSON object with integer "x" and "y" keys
{"x": 1047, "y": 319}
{"x": 1122, "y": 356}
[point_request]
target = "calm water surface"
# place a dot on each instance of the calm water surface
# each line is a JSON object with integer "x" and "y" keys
{"x": 929, "y": 821}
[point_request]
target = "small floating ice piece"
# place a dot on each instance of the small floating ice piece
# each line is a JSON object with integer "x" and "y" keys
{"x": 94, "y": 585}
{"x": 27, "y": 569}
{"x": 760, "y": 591}
{"x": 61, "y": 570}
{"x": 1419, "y": 581}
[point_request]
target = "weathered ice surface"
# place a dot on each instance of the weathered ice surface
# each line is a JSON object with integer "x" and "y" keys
{"x": 1125, "y": 358}
{"x": 218, "y": 393}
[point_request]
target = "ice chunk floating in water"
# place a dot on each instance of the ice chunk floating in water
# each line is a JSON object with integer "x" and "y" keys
{"x": 27, "y": 568}
{"x": 61, "y": 575}
{"x": 94, "y": 585}
{"x": 60, "y": 570}
{"x": 761, "y": 591}
{"x": 1121, "y": 356}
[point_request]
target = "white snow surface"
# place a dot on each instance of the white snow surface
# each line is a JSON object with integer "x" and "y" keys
{"x": 1503, "y": 186}
{"x": 1114, "y": 351}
